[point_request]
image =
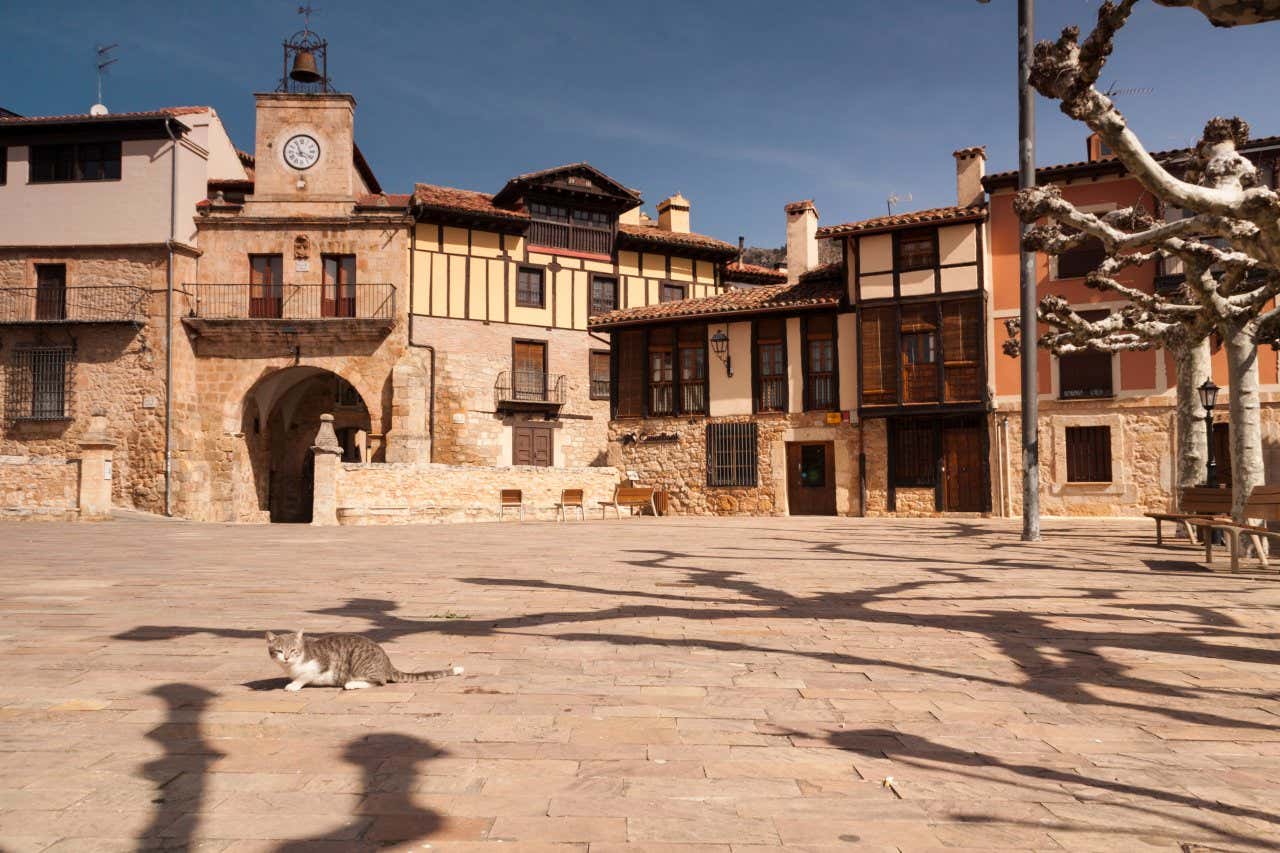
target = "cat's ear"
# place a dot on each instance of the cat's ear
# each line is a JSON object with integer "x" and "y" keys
{"x": 299, "y": 635}
{"x": 271, "y": 638}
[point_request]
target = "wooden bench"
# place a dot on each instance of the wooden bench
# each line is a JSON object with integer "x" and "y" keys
{"x": 511, "y": 499}
{"x": 570, "y": 499}
{"x": 1196, "y": 502}
{"x": 1263, "y": 503}
{"x": 630, "y": 497}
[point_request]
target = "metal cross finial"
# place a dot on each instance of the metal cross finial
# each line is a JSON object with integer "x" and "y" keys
{"x": 305, "y": 11}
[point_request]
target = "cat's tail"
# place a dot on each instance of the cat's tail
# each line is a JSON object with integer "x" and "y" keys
{"x": 427, "y": 675}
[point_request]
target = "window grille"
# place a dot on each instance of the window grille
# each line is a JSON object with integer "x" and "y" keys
{"x": 731, "y": 454}
{"x": 599, "y": 370}
{"x": 39, "y": 384}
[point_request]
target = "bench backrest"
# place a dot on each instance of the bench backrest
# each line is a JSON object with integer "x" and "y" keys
{"x": 1207, "y": 500}
{"x": 512, "y": 497}
{"x": 571, "y": 496}
{"x": 633, "y": 494}
{"x": 1264, "y": 502}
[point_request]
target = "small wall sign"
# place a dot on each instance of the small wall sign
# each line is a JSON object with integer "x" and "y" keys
{"x": 302, "y": 266}
{"x": 834, "y": 418}
{"x": 106, "y": 470}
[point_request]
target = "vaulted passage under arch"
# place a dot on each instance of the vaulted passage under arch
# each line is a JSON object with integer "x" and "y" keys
{"x": 281, "y": 416}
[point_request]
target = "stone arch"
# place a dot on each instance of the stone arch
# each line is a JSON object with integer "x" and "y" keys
{"x": 265, "y": 387}
{"x": 279, "y": 417}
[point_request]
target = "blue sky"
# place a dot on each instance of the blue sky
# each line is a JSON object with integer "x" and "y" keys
{"x": 742, "y": 106}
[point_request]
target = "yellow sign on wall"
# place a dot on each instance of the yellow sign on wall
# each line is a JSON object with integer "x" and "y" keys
{"x": 833, "y": 418}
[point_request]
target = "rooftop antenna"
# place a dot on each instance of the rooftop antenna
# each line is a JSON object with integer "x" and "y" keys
{"x": 893, "y": 199}
{"x": 104, "y": 60}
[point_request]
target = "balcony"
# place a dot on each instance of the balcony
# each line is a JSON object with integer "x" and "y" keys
{"x": 349, "y": 310}
{"x": 528, "y": 391}
{"x": 573, "y": 238}
{"x": 104, "y": 303}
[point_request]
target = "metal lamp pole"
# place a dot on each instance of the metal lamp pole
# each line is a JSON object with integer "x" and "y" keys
{"x": 1208, "y": 399}
{"x": 1027, "y": 281}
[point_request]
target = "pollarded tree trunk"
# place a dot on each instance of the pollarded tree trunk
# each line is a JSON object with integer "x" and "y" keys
{"x": 1193, "y": 365}
{"x": 1246, "y": 424}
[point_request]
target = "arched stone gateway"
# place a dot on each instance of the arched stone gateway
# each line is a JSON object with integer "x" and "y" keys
{"x": 281, "y": 415}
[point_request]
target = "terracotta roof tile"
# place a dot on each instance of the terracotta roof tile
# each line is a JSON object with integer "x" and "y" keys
{"x": 738, "y": 271}
{"x": 804, "y": 294}
{"x": 163, "y": 112}
{"x": 833, "y": 270}
{"x": 651, "y": 234}
{"x": 451, "y": 200}
{"x": 916, "y": 217}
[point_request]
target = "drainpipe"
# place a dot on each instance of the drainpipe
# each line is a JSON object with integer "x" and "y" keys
{"x": 168, "y": 321}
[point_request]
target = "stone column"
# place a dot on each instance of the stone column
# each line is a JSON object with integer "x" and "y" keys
{"x": 407, "y": 440}
{"x": 324, "y": 492}
{"x": 97, "y": 449}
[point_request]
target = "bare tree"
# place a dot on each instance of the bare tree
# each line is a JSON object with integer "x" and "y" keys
{"x": 1232, "y": 13}
{"x": 1227, "y": 238}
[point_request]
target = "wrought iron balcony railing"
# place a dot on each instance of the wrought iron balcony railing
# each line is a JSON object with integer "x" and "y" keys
{"x": 81, "y": 303}
{"x": 293, "y": 301}
{"x": 528, "y": 389}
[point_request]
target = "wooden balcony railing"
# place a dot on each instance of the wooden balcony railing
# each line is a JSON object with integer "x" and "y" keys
{"x": 575, "y": 238}
{"x": 105, "y": 303}
{"x": 528, "y": 389}
{"x": 375, "y": 301}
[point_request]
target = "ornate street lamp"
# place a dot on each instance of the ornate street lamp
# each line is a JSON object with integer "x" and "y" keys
{"x": 1208, "y": 398}
{"x": 720, "y": 346}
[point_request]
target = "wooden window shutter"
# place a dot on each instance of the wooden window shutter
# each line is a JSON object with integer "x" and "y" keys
{"x": 961, "y": 350}
{"x": 879, "y": 356}
{"x": 631, "y": 373}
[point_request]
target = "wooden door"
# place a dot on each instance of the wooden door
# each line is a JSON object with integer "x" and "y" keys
{"x": 1222, "y": 454}
{"x": 529, "y": 370}
{"x": 51, "y": 292}
{"x": 338, "y": 293}
{"x": 962, "y": 470}
{"x": 811, "y": 482}
{"x": 266, "y": 286}
{"x": 532, "y": 445}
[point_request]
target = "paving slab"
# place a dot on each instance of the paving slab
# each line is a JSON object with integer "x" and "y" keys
{"x": 677, "y": 685}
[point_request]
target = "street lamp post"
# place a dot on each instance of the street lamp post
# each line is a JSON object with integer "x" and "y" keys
{"x": 1027, "y": 280}
{"x": 1208, "y": 398}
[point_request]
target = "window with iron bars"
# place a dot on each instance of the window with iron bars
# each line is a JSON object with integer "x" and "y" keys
{"x": 39, "y": 384}
{"x": 731, "y": 454}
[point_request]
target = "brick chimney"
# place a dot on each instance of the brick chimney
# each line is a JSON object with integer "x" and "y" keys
{"x": 673, "y": 214}
{"x": 802, "y": 238}
{"x": 971, "y": 166}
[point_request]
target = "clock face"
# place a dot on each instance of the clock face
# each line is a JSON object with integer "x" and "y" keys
{"x": 301, "y": 151}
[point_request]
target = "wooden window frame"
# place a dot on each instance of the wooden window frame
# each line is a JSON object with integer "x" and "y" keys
{"x": 273, "y": 291}
{"x": 915, "y": 235}
{"x": 664, "y": 286}
{"x": 591, "y": 294}
{"x": 76, "y": 161}
{"x": 806, "y": 367}
{"x": 542, "y": 293}
{"x": 1109, "y": 356}
{"x": 652, "y": 385}
{"x": 592, "y": 392}
{"x": 1080, "y": 465}
{"x": 757, "y": 375}
{"x": 700, "y": 336}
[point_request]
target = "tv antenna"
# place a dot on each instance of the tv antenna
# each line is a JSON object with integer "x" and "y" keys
{"x": 1114, "y": 92}
{"x": 104, "y": 61}
{"x": 893, "y": 199}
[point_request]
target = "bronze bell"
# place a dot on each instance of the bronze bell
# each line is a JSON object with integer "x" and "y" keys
{"x": 304, "y": 68}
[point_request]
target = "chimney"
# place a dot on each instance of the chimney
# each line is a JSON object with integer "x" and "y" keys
{"x": 971, "y": 166}
{"x": 802, "y": 238}
{"x": 673, "y": 214}
{"x": 630, "y": 217}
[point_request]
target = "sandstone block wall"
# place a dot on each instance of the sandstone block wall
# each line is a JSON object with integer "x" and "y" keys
{"x": 469, "y": 357}
{"x": 39, "y": 487}
{"x": 671, "y": 454}
{"x": 382, "y": 493}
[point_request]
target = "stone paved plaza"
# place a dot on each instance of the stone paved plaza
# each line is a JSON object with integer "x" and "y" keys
{"x": 675, "y": 684}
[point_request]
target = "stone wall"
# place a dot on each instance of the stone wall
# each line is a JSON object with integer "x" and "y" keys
{"x": 118, "y": 367}
{"x": 39, "y": 487}
{"x": 384, "y": 493}
{"x": 469, "y": 357}
{"x": 671, "y": 454}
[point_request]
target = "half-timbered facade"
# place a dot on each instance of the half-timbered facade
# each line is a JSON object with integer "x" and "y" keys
{"x": 504, "y": 287}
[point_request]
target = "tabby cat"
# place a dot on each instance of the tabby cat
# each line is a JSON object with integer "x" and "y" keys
{"x": 350, "y": 660}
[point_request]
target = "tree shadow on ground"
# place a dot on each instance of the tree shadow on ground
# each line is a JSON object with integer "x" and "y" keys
{"x": 916, "y": 751}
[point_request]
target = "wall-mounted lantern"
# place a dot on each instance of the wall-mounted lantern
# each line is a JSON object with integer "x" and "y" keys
{"x": 720, "y": 346}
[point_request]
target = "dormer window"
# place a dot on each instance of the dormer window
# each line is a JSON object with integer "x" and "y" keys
{"x": 557, "y": 226}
